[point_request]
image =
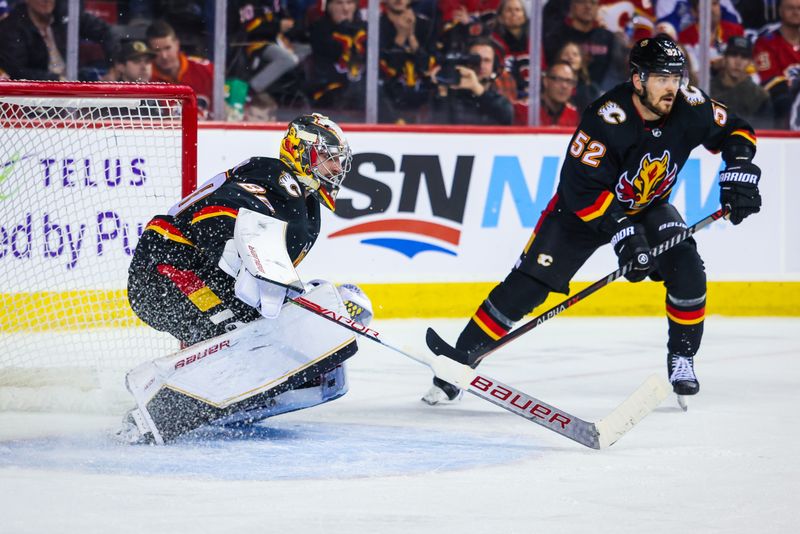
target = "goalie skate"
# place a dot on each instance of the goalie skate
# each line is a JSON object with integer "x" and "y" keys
{"x": 442, "y": 392}
{"x": 133, "y": 430}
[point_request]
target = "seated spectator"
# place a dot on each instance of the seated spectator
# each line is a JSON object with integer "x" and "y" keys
{"x": 510, "y": 37}
{"x": 133, "y": 62}
{"x": 777, "y": 56}
{"x": 173, "y": 66}
{"x": 406, "y": 56}
{"x": 721, "y": 31}
{"x": 733, "y": 86}
{"x": 607, "y": 57}
{"x": 585, "y": 92}
{"x": 339, "y": 50}
{"x": 473, "y": 97}
{"x": 261, "y": 47}
{"x": 33, "y": 43}
{"x": 558, "y": 84}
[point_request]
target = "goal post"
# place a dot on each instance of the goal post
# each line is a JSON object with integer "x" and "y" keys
{"x": 83, "y": 168}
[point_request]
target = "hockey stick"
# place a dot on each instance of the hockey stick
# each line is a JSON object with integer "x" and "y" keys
{"x": 440, "y": 346}
{"x": 596, "y": 435}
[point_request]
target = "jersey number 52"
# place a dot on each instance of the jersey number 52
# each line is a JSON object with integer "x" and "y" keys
{"x": 589, "y": 152}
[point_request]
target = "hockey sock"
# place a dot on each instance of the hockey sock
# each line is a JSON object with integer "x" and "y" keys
{"x": 485, "y": 326}
{"x": 507, "y": 303}
{"x": 685, "y": 317}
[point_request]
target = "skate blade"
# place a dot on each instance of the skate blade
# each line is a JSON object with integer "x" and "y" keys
{"x": 683, "y": 402}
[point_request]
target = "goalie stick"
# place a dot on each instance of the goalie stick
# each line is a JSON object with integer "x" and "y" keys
{"x": 440, "y": 346}
{"x": 597, "y": 435}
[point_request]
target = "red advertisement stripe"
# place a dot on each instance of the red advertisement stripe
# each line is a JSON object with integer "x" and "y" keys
{"x": 438, "y": 231}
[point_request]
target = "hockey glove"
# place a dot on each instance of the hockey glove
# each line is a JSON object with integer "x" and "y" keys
{"x": 630, "y": 244}
{"x": 738, "y": 190}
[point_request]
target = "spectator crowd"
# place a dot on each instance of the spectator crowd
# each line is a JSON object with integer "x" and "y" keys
{"x": 441, "y": 61}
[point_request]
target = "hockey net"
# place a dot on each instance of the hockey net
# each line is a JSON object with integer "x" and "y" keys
{"x": 83, "y": 167}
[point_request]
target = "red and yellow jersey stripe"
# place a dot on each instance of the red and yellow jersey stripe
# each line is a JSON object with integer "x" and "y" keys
{"x": 547, "y": 211}
{"x": 750, "y": 136}
{"x": 597, "y": 209}
{"x": 213, "y": 211}
{"x": 192, "y": 286}
{"x": 686, "y": 317}
{"x": 167, "y": 230}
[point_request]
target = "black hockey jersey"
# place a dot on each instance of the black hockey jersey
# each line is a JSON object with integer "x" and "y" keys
{"x": 197, "y": 227}
{"x": 618, "y": 162}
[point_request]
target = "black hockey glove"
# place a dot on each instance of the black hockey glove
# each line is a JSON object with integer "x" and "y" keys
{"x": 630, "y": 244}
{"x": 738, "y": 189}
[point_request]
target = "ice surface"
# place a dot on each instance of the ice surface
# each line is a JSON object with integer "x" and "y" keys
{"x": 379, "y": 460}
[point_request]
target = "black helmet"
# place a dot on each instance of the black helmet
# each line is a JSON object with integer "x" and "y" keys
{"x": 657, "y": 54}
{"x": 314, "y": 147}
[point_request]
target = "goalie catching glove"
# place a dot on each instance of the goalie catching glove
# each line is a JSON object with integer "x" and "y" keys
{"x": 738, "y": 190}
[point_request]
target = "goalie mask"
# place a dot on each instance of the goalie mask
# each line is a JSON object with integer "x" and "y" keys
{"x": 314, "y": 148}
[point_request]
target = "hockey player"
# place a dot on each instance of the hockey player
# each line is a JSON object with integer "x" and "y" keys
{"x": 616, "y": 180}
{"x": 195, "y": 274}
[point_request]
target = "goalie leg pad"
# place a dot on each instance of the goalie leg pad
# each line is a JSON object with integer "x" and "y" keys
{"x": 175, "y": 413}
{"x": 243, "y": 369}
{"x": 330, "y": 386}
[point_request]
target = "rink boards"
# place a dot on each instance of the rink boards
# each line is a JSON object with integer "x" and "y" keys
{"x": 431, "y": 217}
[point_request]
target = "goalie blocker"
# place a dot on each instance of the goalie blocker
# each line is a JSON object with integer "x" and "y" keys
{"x": 259, "y": 370}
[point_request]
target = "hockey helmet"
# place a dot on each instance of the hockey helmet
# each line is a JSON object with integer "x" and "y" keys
{"x": 314, "y": 148}
{"x": 658, "y": 55}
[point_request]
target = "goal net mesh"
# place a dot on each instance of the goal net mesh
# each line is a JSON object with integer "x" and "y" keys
{"x": 80, "y": 177}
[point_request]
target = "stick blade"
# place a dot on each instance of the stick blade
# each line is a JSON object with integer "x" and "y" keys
{"x": 440, "y": 347}
{"x": 644, "y": 400}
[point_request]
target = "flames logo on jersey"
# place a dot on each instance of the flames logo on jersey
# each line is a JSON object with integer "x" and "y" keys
{"x": 693, "y": 95}
{"x": 612, "y": 113}
{"x": 653, "y": 180}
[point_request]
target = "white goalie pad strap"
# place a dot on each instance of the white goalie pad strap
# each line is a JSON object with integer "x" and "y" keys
{"x": 261, "y": 243}
{"x": 230, "y": 262}
{"x": 267, "y": 297}
{"x": 143, "y": 382}
{"x": 247, "y": 361}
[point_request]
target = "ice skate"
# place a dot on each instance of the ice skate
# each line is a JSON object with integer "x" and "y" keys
{"x": 681, "y": 376}
{"x": 442, "y": 392}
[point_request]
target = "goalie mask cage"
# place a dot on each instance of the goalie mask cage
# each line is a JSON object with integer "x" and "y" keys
{"x": 83, "y": 168}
